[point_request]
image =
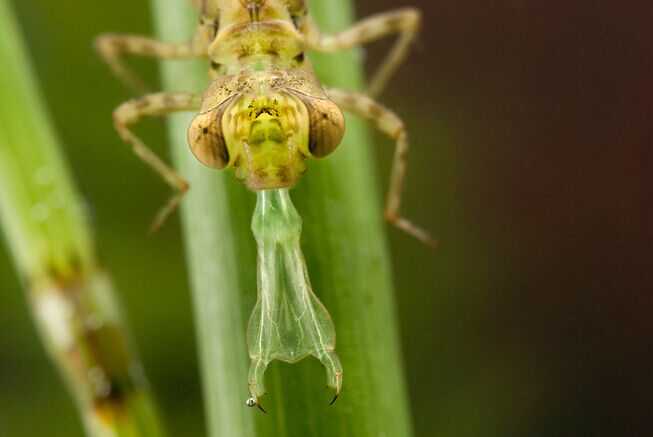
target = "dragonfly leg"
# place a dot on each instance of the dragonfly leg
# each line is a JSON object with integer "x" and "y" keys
{"x": 159, "y": 104}
{"x": 113, "y": 47}
{"x": 391, "y": 125}
{"x": 405, "y": 22}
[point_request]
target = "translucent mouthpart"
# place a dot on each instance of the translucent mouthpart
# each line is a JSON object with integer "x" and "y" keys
{"x": 289, "y": 322}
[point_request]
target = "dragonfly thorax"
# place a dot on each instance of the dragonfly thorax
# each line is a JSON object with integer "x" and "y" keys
{"x": 275, "y": 41}
{"x": 255, "y": 30}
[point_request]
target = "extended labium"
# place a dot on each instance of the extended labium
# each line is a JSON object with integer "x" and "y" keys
{"x": 289, "y": 322}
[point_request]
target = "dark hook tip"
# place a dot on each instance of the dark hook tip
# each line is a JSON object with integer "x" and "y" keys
{"x": 335, "y": 398}
{"x": 252, "y": 402}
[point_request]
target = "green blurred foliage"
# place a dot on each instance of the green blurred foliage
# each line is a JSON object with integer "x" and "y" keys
{"x": 122, "y": 195}
{"x": 523, "y": 123}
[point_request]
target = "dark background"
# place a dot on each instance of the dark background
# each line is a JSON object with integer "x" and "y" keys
{"x": 531, "y": 124}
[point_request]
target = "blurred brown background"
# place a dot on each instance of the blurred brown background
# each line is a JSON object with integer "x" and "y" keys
{"x": 531, "y": 124}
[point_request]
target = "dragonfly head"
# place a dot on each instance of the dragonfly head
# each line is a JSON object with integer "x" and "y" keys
{"x": 267, "y": 137}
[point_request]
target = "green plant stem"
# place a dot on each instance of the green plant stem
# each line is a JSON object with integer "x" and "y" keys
{"x": 214, "y": 247}
{"x": 71, "y": 298}
{"x": 347, "y": 259}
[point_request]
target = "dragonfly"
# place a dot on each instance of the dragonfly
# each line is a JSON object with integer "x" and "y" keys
{"x": 263, "y": 115}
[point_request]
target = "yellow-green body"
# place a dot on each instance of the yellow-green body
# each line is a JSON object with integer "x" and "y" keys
{"x": 265, "y": 112}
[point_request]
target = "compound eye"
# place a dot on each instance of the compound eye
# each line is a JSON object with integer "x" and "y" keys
{"x": 207, "y": 141}
{"x": 326, "y": 128}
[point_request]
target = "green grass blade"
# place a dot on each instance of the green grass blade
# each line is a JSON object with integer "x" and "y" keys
{"x": 71, "y": 298}
{"x": 213, "y": 241}
{"x": 347, "y": 258}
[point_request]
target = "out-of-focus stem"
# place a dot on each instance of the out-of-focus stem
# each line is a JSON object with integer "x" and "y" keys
{"x": 71, "y": 298}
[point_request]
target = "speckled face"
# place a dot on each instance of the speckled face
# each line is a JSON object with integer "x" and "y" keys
{"x": 268, "y": 139}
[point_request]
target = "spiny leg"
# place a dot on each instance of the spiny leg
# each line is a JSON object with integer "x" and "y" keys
{"x": 158, "y": 104}
{"x": 390, "y": 124}
{"x": 113, "y": 47}
{"x": 405, "y": 22}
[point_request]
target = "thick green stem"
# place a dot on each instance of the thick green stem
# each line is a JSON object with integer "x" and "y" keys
{"x": 216, "y": 245}
{"x": 347, "y": 259}
{"x": 71, "y": 298}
